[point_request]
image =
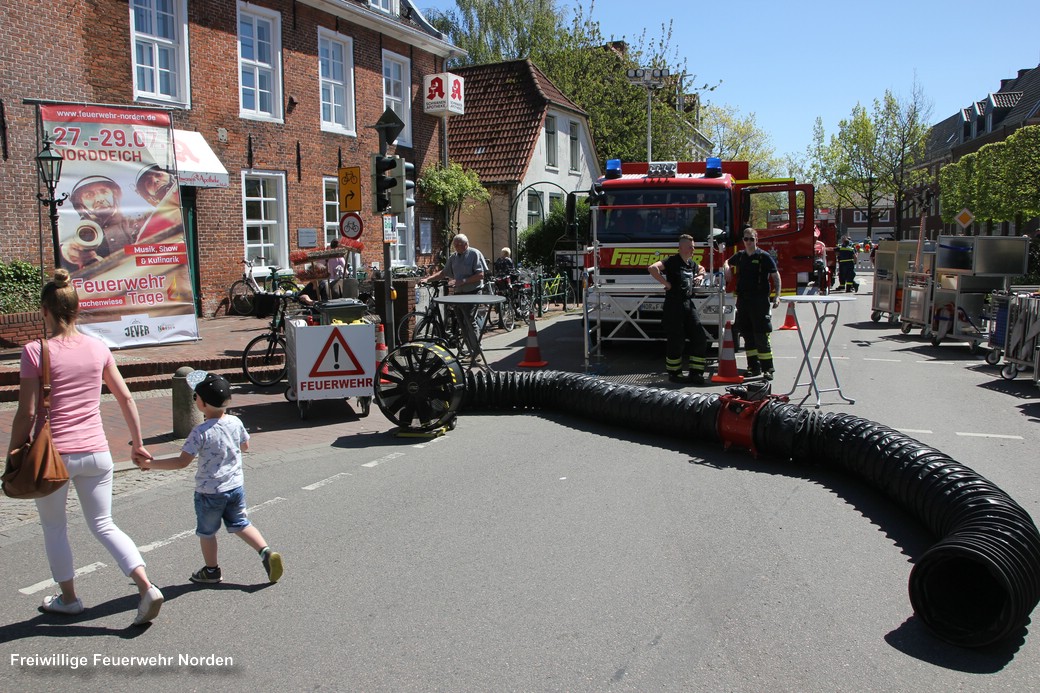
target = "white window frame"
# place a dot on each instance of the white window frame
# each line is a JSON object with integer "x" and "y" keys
{"x": 330, "y": 204}
{"x": 279, "y": 233}
{"x": 402, "y": 105}
{"x": 535, "y": 208}
{"x": 346, "y": 126}
{"x": 391, "y": 7}
{"x": 178, "y": 45}
{"x": 273, "y": 68}
{"x": 575, "y": 148}
{"x": 860, "y": 217}
{"x": 552, "y": 154}
{"x": 402, "y": 253}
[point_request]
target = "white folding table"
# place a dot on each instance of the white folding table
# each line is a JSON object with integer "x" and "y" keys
{"x": 823, "y": 328}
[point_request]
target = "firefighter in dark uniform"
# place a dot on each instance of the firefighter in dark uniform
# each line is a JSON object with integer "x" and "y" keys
{"x": 758, "y": 291}
{"x": 679, "y": 273}
{"x": 847, "y": 266}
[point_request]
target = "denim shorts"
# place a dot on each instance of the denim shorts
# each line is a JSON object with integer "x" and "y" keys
{"x": 211, "y": 508}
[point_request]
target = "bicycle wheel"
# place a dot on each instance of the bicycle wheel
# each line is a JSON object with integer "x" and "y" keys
{"x": 506, "y": 315}
{"x": 263, "y": 360}
{"x": 407, "y": 326}
{"x": 287, "y": 286}
{"x": 241, "y": 298}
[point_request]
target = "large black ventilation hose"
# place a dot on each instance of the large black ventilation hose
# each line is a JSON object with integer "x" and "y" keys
{"x": 975, "y": 587}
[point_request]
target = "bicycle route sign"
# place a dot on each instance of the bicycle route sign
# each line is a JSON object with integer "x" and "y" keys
{"x": 351, "y": 225}
{"x": 335, "y": 361}
{"x": 350, "y": 189}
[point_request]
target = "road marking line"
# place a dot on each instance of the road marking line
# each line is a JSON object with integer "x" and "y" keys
{"x": 885, "y": 360}
{"x": 944, "y": 363}
{"x": 163, "y": 542}
{"x": 914, "y": 430}
{"x": 51, "y": 583}
{"x": 323, "y": 482}
{"x": 143, "y": 549}
{"x": 384, "y": 458}
{"x": 987, "y": 435}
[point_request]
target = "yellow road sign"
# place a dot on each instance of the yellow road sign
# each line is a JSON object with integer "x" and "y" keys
{"x": 350, "y": 189}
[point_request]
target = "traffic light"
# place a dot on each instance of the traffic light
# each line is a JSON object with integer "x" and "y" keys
{"x": 401, "y": 194}
{"x": 382, "y": 181}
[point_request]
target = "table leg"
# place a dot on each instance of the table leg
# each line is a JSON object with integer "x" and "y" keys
{"x": 824, "y": 326}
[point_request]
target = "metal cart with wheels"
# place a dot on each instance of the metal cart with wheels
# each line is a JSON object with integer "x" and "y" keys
{"x": 330, "y": 361}
{"x": 892, "y": 260}
{"x": 1019, "y": 334}
{"x": 967, "y": 270}
{"x": 917, "y": 303}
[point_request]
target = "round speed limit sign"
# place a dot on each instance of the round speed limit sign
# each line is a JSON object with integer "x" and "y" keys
{"x": 350, "y": 225}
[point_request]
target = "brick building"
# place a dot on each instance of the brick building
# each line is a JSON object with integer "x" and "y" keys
{"x": 284, "y": 92}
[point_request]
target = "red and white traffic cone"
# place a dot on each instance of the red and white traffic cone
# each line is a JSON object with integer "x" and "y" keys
{"x": 381, "y": 350}
{"x": 532, "y": 355}
{"x": 727, "y": 372}
{"x": 790, "y": 322}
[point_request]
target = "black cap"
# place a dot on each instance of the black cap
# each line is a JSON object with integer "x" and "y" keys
{"x": 215, "y": 390}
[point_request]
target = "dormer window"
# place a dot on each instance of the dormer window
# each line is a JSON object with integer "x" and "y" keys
{"x": 392, "y": 7}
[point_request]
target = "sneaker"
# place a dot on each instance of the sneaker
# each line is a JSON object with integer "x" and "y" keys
{"x": 768, "y": 375}
{"x": 206, "y": 575}
{"x": 148, "y": 609}
{"x": 272, "y": 564}
{"x": 55, "y": 605}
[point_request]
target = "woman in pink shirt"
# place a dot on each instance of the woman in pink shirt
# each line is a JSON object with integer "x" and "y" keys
{"x": 78, "y": 365}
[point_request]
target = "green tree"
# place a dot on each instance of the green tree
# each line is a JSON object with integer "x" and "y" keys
{"x": 537, "y": 245}
{"x": 589, "y": 68}
{"x": 737, "y": 137}
{"x": 451, "y": 187}
{"x": 853, "y": 163}
{"x": 907, "y": 122}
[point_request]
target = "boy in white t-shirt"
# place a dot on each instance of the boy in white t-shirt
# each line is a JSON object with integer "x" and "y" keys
{"x": 218, "y": 442}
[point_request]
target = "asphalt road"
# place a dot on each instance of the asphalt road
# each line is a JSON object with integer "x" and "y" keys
{"x": 540, "y": 551}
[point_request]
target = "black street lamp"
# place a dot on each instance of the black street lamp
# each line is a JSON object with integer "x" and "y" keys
{"x": 49, "y": 162}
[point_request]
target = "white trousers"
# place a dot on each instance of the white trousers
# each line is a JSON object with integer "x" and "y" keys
{"x": 91, "y": 472}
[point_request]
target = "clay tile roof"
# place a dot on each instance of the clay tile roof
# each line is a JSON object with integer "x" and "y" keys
{"x": 505, "y": 111}
{"x": 1005, "y": 99}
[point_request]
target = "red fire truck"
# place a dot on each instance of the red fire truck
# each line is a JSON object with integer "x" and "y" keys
{"x": 639, "y": 211}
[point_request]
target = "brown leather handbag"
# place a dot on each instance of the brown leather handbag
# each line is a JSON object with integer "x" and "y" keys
{"x": 36, "y": 469}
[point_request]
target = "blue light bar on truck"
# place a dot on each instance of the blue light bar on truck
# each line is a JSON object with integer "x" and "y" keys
{"x": 713, "y": 167}
{"x": 613, "y": 169}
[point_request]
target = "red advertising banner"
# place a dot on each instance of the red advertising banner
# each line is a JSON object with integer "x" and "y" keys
{"x": 121, "y": 232}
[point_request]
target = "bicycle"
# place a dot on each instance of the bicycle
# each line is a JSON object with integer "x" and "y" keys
{"x": 554, "y": 288}
{"x": 517, "y": 288}
{"x": 263, "y": 359}
{"x": 243, "y": 292}
{"x": 432, "y": 325}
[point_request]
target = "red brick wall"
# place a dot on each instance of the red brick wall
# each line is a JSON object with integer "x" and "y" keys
{"x": 18, "y": 328}
{"x": 91, "y": 62}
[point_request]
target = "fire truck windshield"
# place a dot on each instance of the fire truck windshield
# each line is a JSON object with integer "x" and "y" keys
{"x": 648, "y": 215}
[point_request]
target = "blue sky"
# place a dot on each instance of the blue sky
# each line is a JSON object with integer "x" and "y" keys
{"x": 789, "y": 61}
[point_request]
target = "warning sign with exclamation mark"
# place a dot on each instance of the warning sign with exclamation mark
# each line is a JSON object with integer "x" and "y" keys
{"x": 333, "y": 360}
